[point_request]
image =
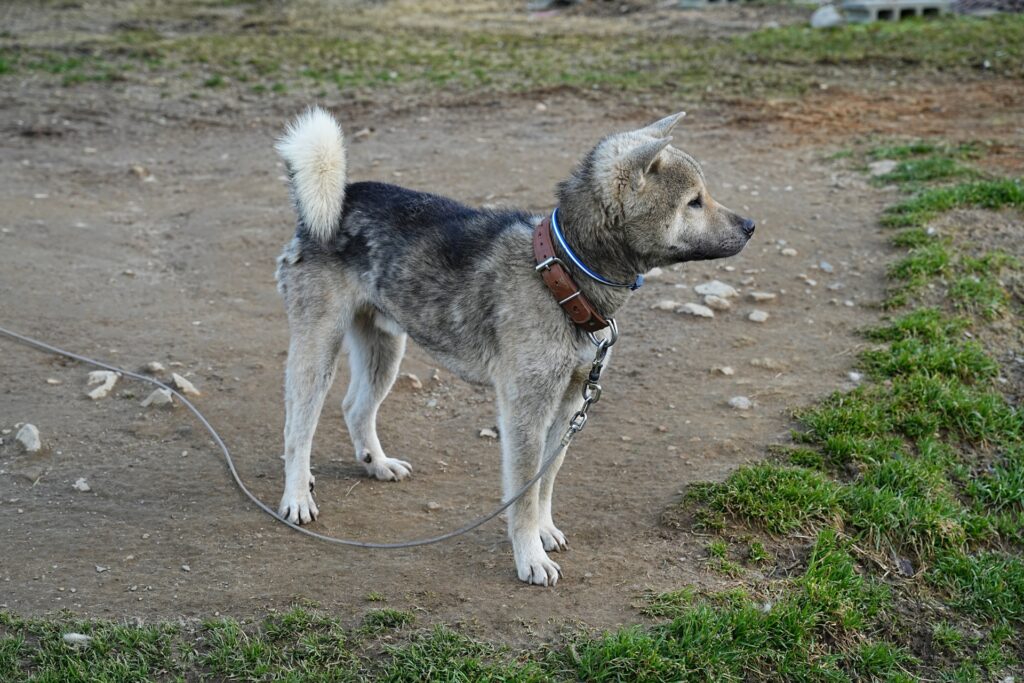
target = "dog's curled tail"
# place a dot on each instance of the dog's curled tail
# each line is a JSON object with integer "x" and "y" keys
{"x": 314, "y": 150}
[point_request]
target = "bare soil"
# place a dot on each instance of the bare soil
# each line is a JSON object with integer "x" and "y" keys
{"x": 174, "y": 263}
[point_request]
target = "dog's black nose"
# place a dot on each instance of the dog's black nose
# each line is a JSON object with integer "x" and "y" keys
{"x": 748, "y": 227}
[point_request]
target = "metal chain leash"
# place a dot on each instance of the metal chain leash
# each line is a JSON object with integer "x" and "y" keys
{"x": 591, "y": 388}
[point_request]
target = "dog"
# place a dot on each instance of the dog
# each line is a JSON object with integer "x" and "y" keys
{"x": 371, "y": 264}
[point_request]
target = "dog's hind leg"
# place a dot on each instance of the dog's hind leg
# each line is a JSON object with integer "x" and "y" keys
{"x": 312, "y": 360}
{"x": 374, "y": 355}
{"x": 526, "y": 406}
{"x": 572, "y": 401}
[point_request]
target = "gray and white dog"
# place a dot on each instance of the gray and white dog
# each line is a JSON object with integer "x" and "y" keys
{"x": 371, "y": 263}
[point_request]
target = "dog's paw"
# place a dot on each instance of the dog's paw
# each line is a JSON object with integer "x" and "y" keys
{"x": 534, "y": 566}
{"x": 388, "y": 469}
{"x": 552, "y": 539}
{"x": 298, "y": 507}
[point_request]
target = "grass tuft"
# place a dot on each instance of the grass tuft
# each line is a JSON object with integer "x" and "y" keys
{"x": 777, "y": 498}
{"x": 984, "y": 194}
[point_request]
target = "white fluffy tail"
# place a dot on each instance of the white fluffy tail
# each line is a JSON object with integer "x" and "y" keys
{"x": 314, "y": 149}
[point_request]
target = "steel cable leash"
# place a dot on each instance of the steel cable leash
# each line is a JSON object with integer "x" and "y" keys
{"x": 591, "y": 394}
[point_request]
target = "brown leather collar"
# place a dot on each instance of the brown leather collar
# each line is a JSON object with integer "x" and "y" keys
{"x": 557, "y": 278}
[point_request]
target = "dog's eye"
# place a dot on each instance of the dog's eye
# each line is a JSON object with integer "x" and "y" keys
{"x": 696, "y": 202}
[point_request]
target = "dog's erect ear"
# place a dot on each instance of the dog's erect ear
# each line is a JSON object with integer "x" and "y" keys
{"x": 662, "y": 128}
{"x": 642, "y": 158}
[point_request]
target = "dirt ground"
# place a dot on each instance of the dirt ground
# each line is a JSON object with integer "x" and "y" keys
{"x": 174, "y": 263}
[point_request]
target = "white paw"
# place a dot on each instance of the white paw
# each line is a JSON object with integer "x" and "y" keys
{"x": 297, "y": 505}
{"x": 552, "y": 539}
{"x": 533, "y": 565}
{"x": 388, "y": 469}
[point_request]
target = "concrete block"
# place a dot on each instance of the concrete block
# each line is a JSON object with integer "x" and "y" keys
{"x": 865, "y": 11}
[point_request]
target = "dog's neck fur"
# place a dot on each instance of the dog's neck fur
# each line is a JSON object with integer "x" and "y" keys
{"x": 600, "y": 254}
{"x": 592, "y": 235}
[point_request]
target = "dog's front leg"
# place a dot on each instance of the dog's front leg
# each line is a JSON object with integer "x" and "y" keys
{"x": 572, "y": 400}
{"x": 525, "y": 414}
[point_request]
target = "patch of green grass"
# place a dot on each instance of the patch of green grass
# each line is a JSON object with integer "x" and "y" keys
{"x": 912, "y": 238}
{"x": 986, "y": 584}
{"x": 777, "y": 498}
{"x": 926, "y": 342}
{"x": 907, "y": 506}
{"x": 904, "y": 150}
{"x": 214, "y": 81}
{"x": 948, "y": 639}
{"x": 717, "y": 549}
{"x": 981, "y": 295}
{"x": 802, "y": 635}
{"x": 378, "y": 620}
{"x": 985, "y": 194}
{"x": 445, "y": 655}
{"x": 353, "y": 54}
{"x": 926, "y": 324}
{"x": 113, "y": 652}
{"x": 759, "y": 554}
{"x": 919, "y": 148}
{"x": 927, "y": 169}
{"x": 998, "y": 492}
{"x": 922, "y": 264}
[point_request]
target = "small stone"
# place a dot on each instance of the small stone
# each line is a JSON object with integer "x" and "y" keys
{"x": 100, "y": 569}
{"x": 433, "y": 506}
{"x": 666, "y": 305}
{"x": 762, "y": 297}
{"x": 184, "y": 386}
{"x": 697, "y": 310}
{"x": 81, "y": 485}
{"x": 76, "y": 639}
{"x": 186, "y": 568}
{"x": 906, "y": 567}
{"x": 855, "y": 377}
{"x": 789, "y": 251}
{"x": 849, "y": 303}
{"x": 882, "y": 167}
{"x": 740, "y": 403}
{"x": 154, "y": 367}
{"x": 835, "y": 286}
{"x": 410, "y": 380}
{"x": 160, "y": 397}
{"x": 654, "y": 274}
{"x": 717, "y": 303}
{"x": 362, "y": 133}
{"x": 757, "y": 316}
{"x": 826, "y": 267}
{"x": 488, "y": 433}
{"x": 53, "y": 382}
{"x": 716, "y": 288}
{"x": 106, "y": 379}
{"x": 28, "y": 437}
{"x": 726, "y": 370}
{"x": 541, "y": 107}
{"x": 826, "y": 16}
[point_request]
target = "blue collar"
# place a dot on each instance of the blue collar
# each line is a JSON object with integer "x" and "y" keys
{"x": 556, "y": 230}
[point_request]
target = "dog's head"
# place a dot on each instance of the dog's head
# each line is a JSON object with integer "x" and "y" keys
{"x": 652, "y": 200}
